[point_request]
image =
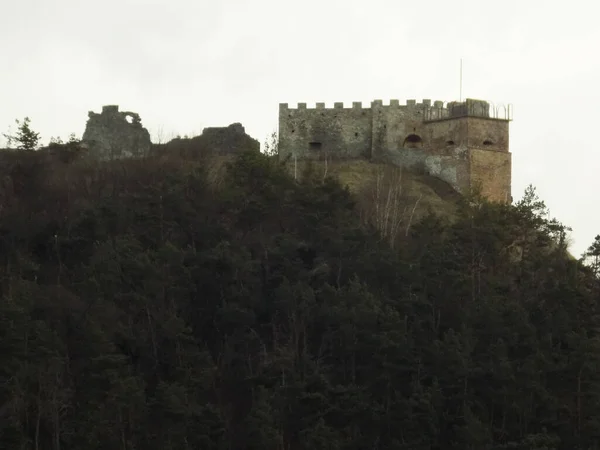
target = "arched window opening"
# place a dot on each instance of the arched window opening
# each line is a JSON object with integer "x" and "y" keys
{"x": 413, "y": 141}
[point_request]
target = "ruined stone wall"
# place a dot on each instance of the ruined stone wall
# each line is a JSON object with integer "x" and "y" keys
{"x": 113, "y": 134}
{"x": 227, "y": 140}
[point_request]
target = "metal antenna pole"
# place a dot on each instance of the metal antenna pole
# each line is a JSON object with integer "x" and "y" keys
{"x": 460, "y": 80}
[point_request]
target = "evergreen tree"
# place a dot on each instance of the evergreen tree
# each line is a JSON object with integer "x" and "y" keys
{"x": 25, "y": 138}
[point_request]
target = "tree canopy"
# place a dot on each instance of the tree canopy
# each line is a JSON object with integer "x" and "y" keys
{"x": 25, "y": 138}
{"x": 153, "y": 305}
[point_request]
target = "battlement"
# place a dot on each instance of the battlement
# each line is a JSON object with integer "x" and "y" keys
{"x": 393, "y": 103}
{"x": 436, "y": 110}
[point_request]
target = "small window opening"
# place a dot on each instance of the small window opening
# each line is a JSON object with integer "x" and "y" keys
{"x": 488, "y": 142}
{"x": 449, "y": 142}
{"x": 355, "y": 134}
{"x": 293, "y": 131}
{"x": 315, "y": 145}
{"x": 413, "y": 141}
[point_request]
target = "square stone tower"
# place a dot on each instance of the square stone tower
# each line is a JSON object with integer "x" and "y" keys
{"x": 476, "y": 136}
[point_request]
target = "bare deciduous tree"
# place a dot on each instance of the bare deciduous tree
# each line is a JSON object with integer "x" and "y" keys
{"x": 386, "y": 206}
{"x": 271, "y": 145}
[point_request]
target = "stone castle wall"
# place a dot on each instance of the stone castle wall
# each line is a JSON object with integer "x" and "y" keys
{"x": 462, "y": 143}
{"x": 309, "y": 133}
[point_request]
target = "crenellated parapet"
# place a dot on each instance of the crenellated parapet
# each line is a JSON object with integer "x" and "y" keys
{"x": 435, "y": 110}
{"x": 393, "y": 103}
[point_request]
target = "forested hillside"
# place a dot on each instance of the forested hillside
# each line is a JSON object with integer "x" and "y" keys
{"x": 160, "y": 304}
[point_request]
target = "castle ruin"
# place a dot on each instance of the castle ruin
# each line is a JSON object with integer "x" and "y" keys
{"x": 463, "y": 143}
{"x": 115, "y": 134}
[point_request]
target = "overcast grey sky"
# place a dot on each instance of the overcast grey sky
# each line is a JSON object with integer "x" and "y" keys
{"x": 187, "y": 64}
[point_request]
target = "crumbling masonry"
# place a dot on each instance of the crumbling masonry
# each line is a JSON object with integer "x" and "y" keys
{"x": 114, "y": 134}
{"x": 462, "y": 143}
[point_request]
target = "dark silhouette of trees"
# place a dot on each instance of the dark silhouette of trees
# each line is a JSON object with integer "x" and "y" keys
{"x": 165, "y": 304}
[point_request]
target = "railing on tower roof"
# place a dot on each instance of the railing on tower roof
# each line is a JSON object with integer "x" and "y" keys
{"x": 469, "y": 108}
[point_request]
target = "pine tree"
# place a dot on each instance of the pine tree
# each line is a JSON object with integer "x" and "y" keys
{"x": 26, "y": 138}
